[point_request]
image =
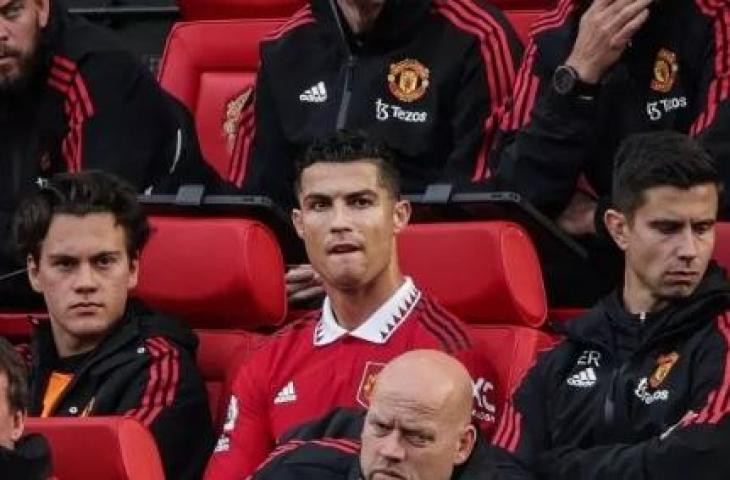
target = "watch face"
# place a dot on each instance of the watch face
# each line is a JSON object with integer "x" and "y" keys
{"x": 564, "y": 80}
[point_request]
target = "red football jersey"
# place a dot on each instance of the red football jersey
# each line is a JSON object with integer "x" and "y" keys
{"x": 314, "y": 365}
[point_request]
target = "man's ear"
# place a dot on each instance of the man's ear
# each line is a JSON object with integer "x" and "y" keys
{"x": 44, "y": 12}
{"x": 18, "y": 425}
{"x": 133, "y": 272}
{"x": 33, "y": 273}
{"x": 296, "y": 218}
{"x": 401, "y": 214}
{"x": 467, "y": 439}
{"x": 617, "y": 225}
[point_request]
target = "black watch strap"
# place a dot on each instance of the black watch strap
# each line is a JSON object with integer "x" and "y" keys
{"x": 567, "y": 82}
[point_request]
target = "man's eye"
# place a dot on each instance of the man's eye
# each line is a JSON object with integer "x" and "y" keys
{"x": 105, "y": 261}
{"x": 64, "y": 264}
{"x": 417, "y": 439}
{"x": 703, "y": 227}
{"x": 362, "y": 202}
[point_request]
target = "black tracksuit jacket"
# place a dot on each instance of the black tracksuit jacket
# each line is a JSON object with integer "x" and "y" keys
{"x": 622, "y": 398}
{"x": 89, "y": 105}
{"x": 675, "y": 75}
{"x": 29, "y": 460}
{"x": 329, "y": 449}
{"x": 144, "y": 368}
{"x": 316, "y": 77}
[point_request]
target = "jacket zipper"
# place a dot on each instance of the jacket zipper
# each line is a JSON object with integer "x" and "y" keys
{"x": 346, "y": 93}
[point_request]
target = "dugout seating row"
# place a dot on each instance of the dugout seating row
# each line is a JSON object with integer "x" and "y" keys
{"x": 223, "y": 277}
{"x": 209, "y": 64}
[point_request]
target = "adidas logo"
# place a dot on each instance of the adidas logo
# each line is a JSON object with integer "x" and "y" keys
{"x": 315, "y": 94}
{"x": 583, "y": 379}
{"x": 287, "y": 394}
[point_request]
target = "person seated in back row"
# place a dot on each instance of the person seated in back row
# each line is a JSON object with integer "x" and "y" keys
{"x": 72, "y": 98}
{"x": 101, "y": 353}
{"x": 349, "y": 216}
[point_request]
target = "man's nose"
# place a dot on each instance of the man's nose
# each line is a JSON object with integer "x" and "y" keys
{"x": 392, "y": 447}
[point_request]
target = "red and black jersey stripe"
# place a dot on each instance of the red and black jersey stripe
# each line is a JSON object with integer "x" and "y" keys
{"x": 65, "y": 77}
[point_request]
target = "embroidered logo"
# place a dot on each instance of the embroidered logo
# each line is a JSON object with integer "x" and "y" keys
{"x": 315, "y": 94}
{"x": 367, "y": 383}
{"x": 583, "y": 379}
{"x": 224, "y": 441}
{"x": 664, "y": 365}
{"x": 665, "y": 71}
{"x": 642, "y": 393}
{"x": 408, "y": 80}
{"x": 234, "y": 114}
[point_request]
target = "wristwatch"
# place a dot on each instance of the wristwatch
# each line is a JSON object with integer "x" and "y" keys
{"x": 566, "y": 81}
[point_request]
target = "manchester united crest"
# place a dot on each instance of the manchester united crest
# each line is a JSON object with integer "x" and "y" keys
{"x": 234, "y": 114}
{"x": 408, "y": 80}
{"x": 665, "y": 71}
{"x": 367, "y": 383}
{"x": 664, "y": 365}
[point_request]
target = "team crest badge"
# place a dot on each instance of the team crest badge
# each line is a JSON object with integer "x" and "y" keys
{"x": 408, "y": 80}
{"x": 665, "y": 71}
{"x": 664, "y": 365}
{"x": 367, "y": 383}
{"x": 234, "y": 114}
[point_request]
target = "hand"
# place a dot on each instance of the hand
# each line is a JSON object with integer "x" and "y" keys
{"x": 578, "y": 216}
{"x": 303, "y": 283}
{"x": 604, "y": 31}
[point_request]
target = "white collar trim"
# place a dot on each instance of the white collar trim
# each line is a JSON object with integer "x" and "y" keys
{"x": 379, "y": 327}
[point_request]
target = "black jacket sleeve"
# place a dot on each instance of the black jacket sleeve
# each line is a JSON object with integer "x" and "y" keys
{"x": 712, "y": 125}
{"x": 270, "y": 167}
{"x": 132, "y": 128}
{"x": 480, "y": 98}
{"x": 544, "y": 138}
{"x": 168, "y": 396}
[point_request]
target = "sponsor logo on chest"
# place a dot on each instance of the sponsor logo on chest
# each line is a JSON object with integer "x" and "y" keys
{"x": 664, "y": 76}
{"x": 586, "y": 377}
{"x": 647, "y": 390}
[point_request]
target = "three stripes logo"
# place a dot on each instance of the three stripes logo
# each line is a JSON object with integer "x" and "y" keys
{"x": 583, "y": 379}
{"x": 286, "y": 394}
{"x": 315, "y": 94}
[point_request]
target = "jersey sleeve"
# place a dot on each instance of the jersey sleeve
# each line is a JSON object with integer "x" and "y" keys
{"x": 122, "y": 122}
{"x": 169, "y": 398}
{"x": 712, "y": 125}
{"x": 269, "y": 166}
{"x": 485, "y": 85}
{"x": 246, "y": 439}
{"x": 544, "y": 138}
{"x": 484, "y": 384}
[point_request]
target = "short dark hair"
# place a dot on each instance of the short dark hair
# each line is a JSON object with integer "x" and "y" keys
{"x": 17, "y": 374}
{"x": 344, "y": 147}
{"x": 80, "y": 194}
{"x": 654, "y": 159}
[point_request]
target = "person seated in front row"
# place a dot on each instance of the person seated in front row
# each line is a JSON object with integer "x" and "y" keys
{"x": 100, "y": 353}
{"x": 418, "y": 427}
{"x": 640, "y": 387}
{"x": 349, "y": 216}
{"x": 23, "y": 457}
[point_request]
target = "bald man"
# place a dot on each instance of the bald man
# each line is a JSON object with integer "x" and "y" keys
{"x": 418, "y": 427}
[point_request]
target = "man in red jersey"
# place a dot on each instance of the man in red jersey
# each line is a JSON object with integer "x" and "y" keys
{"x": 349, "y": 215}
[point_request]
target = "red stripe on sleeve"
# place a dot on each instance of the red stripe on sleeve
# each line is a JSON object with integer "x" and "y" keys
{"x": 164, "y": 376}
{"x": 718, "y": 401}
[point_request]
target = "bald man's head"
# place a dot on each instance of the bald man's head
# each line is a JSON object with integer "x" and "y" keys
{"x": 418, "y": 426}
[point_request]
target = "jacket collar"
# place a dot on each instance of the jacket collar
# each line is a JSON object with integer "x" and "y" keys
{"x": 395, "y": 24}
{"x": 379, "y": 327}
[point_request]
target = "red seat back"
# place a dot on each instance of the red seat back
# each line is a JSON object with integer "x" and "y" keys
{"x": 214, "y": 272}
{"x": 722, "y": 245}
{"x": 112, "y": 448}
{"x": 211, "y": 68}
{"x": 484, "y": 272}
{"x": 219, "y": 352}
{"x": 488, "y": 274}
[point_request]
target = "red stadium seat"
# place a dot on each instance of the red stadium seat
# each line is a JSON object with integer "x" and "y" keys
{"x": 224, "y": 277}
{"x": 112, "y": 448}
{"x": 488, "y": 274}
{"x": 722, "y": 245}
{"x": 222, "y": 9}
{"x": 211, "y": 68}
{"x": 219, "y": 273}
